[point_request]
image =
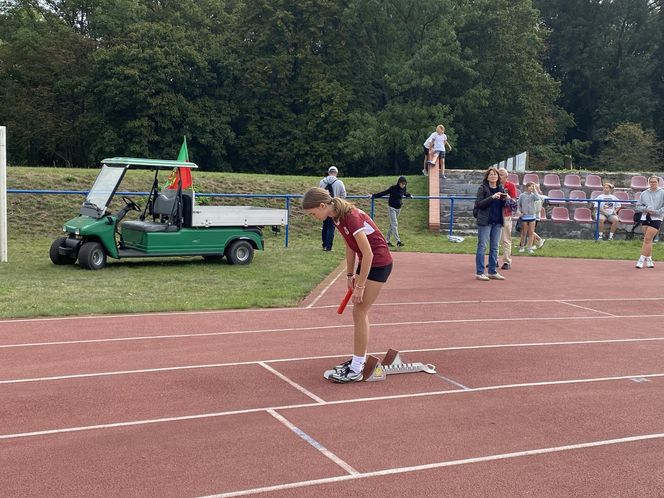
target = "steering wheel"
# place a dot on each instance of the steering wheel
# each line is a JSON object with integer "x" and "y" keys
{"x": 131, "y": 204}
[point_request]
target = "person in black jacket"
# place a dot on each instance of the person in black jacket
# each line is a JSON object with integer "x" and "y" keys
{"x": 489, "y": 206}
{"x": 396, "y": 193}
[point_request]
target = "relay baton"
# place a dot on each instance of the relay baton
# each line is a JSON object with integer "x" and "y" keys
{"x": 343, "y": 304}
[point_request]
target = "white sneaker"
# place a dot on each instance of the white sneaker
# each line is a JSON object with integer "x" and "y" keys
{"x": 496, "y": 276}
{"x": 522, "y": 249}
{"x": 600, "y": 237}
{"x": 482, "y": 276}
{"x": 610, "y": 236}
{"x": 649, "y": 263}
{"x": 425, "y": 172}
{"x": 540, "y": 244}
{"x": 639, "y": 263}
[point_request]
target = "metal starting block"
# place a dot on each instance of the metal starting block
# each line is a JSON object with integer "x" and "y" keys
{"x": 375, "y": 370}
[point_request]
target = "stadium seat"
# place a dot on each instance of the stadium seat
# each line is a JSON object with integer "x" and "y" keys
{"x": 556, "y": 194}
{"x": 583, "y": 215}
{"x": 513, "y": 177}
{"x": 621, "y": 195}
{"x": 626, "y": 216}
{"x": 593, "y": 181}
{"x": 578, "y": 195}
{"x": 551, "y": 181}
{"x": 595, "y": 193}
{"x": 559, "y": 215}
{"x": 543, "y": 213}
{"x": 531, "y": 177}
{"x": 572, "y": 181}
{"x": 639, "y": 182}
{"x": 660, "y": 182}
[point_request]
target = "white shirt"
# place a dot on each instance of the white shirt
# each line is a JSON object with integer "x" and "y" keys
{"x": 438, "y": 141}
{"x": 608, "y": 208}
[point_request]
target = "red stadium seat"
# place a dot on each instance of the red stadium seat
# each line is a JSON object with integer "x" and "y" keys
{"x": 556, "y": 194}
{"x": 595, "y": 193}
{"x": 621, "y": 195}
{"x": 543, "y": 213}
{"x": 551, "y": 181}
{"x": 593, "y": 181}
{"x": 583, "y": 215}
{"x": 572, "y": 181}
{"x": 560, "y": 215}
{"x": 578, "y": 195}
{"x": 531, "y": 177}
{"x": 639, "y": 182}
{"x": 513, "y": 177}
{"x": 626, "y": 216}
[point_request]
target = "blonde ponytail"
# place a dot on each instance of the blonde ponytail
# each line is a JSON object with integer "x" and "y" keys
{"x": 314, "y": 197}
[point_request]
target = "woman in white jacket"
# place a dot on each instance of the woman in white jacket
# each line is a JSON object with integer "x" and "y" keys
{"x": 651, "y": 207}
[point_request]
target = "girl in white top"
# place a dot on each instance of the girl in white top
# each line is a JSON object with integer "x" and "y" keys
{"x": 651, "y": 207}
{"x": 608, "y": 211}
{"x": 435, "y": 150}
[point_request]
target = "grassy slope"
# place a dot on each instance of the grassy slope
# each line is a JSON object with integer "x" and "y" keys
{"x": 31, "y": 286}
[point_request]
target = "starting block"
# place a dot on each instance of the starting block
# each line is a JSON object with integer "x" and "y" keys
{"x": 375, "y": 370}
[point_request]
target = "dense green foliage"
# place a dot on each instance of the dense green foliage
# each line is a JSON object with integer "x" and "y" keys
{"x": 292, "y": 87}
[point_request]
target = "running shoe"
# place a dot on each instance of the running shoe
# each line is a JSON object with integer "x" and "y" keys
{"x": 540, "y": 244}
{"x": 345, "y": 376}
{"x": 342, "y": 366}
{"x": 639, "y": 263}
{"x": 649, "y": 263}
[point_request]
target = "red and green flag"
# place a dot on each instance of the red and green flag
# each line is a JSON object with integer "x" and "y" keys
{"x": 181, "y": 173}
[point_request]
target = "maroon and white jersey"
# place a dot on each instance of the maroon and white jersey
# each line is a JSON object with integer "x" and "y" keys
{"x": 358, "y": 220}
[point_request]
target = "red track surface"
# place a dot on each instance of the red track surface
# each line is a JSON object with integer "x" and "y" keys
{"x": 550, "y": 383}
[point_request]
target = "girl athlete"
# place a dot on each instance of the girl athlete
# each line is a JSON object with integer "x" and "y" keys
{"x": 364, "y": 241}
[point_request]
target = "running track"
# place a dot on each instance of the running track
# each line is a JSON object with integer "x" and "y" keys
{"x": 550, "y": 383}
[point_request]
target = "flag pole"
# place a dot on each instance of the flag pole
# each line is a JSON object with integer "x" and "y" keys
{"x": 3, "y": 194}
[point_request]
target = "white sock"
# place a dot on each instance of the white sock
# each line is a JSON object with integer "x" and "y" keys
{"x": 642, "y": 258}
{"x": 357, "y": 364}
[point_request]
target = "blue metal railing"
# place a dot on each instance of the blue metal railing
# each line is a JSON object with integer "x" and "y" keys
{"x": 287, "y": 200}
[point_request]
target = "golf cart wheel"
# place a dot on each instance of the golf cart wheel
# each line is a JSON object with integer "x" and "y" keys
{"x": 240, "y": 252}
{"x": 56, "y": 257}
{"x": 92, "y": 256}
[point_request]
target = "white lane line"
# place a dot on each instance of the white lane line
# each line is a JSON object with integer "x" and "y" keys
{"x": 341, "y": 463}
{"x": 292, "y": 383}
{"x": 322, "y": 327}
{"x": 291, "y": 309}
{"x": 585, "y": 308}
{"x": 438, "y": 465}
{"x": 323, "y": 357}
{"x": 454, "y": 382}
{"x": 327, "y": 403}
{"x": 322, "y": 293}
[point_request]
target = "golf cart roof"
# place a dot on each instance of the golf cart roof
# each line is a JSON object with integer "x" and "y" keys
{"x": 147, "y": 163}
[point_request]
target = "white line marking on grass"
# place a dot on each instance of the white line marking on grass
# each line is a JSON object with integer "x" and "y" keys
{"x": 341, "y": 463}
{"x": 585, "y": 308}
{"x": 438, "y": 465}
{"x": 322, "y": 293}
{"x": 328, "y": 403}
{"x": 322, "y": 357}
{"x": 292, "y": 383}
{"x": 322, "y": 327}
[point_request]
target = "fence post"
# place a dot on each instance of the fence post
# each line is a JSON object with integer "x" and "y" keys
{"x": 3, "y": 194}
{"x": 287, "y": 219}
{"x": 451, "y": 216}
{"x": 373, "y": 204}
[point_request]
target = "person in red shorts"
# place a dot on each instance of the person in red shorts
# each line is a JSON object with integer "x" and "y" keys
{"x": 365, "y": 243}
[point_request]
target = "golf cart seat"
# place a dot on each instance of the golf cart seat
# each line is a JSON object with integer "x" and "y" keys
{"x": 164, "y": 207}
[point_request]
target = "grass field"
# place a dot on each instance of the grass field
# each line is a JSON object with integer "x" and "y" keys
{"x": 30, "y": 285}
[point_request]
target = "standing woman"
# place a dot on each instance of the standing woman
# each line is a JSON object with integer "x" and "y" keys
{"x": 489, "y": 206}
{"x": 364, "y": 241}
{"x": 651, "y": 207}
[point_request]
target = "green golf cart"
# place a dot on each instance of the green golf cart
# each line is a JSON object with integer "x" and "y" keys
{"x": 170, "y": 223}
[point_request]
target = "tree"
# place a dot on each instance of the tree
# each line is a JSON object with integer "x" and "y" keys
{"x": 629, "y": 148}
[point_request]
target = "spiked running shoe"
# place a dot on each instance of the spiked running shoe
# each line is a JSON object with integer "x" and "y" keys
{"x": 342, "y": 366}
{"x": 345, "y": 376}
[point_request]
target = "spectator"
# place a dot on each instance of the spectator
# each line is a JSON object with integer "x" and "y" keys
{"x": 528, "y": 204}
{"x": 651, "y": 207}
{"x": 608, "y": 210}
{"x": 434, "y": 150}
{"x": 396, "y": 192}
{"x": 489, "y": 205}
{"x": 506, "y": 234}
{"x": 336, "y": 188}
